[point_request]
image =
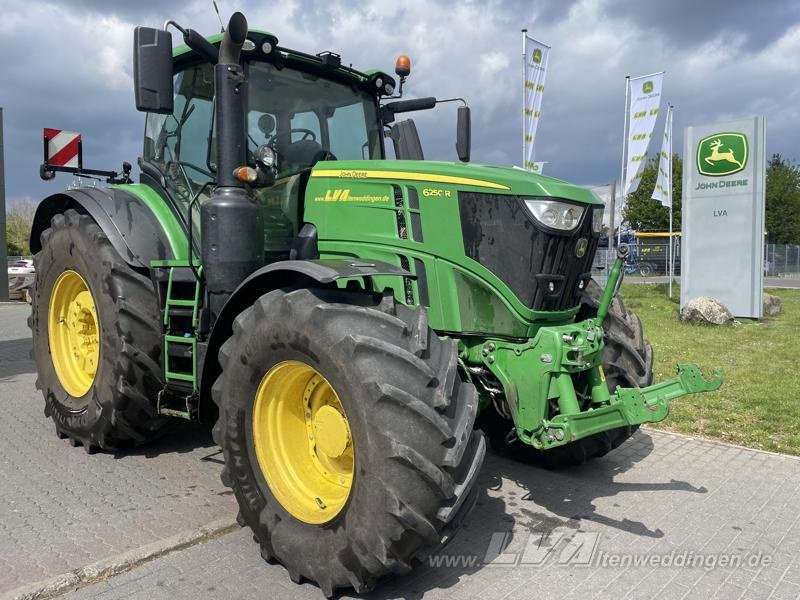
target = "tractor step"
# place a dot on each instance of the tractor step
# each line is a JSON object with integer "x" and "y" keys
{"x": 181, "y": 290}
{"x": 175, "y": 405}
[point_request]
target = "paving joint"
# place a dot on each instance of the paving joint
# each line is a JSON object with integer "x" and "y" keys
{"x": 122, "y": 563}
{"x": 716, "y": 442}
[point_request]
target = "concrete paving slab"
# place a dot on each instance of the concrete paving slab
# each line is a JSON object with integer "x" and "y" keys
{"x": 61, "y": 509}
{"x": 666, "y": 516}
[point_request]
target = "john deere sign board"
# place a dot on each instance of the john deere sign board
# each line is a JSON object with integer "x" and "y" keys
{"x": 723, "y": 214}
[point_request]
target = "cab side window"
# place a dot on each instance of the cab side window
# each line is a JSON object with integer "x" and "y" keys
{"x": 178, "y": 144}
{"x": 346, "y": 132}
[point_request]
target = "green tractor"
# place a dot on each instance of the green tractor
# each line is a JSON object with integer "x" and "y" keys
{"x": 349, "y": 323}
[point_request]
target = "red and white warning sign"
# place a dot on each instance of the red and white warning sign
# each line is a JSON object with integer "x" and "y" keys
{"x": 63, "y": 148}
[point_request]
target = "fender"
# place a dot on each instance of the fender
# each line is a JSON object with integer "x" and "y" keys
{"x": 276, "y": 276}
{"x": 128, "y": 219}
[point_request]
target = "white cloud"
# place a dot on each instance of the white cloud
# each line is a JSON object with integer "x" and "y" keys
{"x": 494, "y": 63}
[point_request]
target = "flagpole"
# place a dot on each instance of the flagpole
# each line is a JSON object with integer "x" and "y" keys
{"x": 524, "y": 124}
{"x": 669, "y": 196}
{"x": 622, "y": 181}
{"x": 649, "y": 75}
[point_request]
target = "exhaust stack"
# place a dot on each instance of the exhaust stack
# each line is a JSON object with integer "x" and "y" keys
{"x": 231, "y": 226}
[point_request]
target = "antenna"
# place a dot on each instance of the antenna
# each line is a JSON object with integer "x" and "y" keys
{"x": 216, "y": 10}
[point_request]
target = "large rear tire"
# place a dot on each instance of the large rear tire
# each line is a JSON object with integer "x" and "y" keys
{"x": 398, "y": 425}
{"x": 627, "y": 361}
{"x": 96, "y": 338}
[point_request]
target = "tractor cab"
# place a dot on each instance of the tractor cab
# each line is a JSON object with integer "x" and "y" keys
{"x": 301, "y": 110}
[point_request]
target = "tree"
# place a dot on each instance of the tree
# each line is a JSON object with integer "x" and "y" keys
{"x": 645, "y": 214}
{"x": 19, "y": 219}
{"x": 783, "y": 201}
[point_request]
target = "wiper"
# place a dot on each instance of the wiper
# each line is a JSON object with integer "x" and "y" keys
{"x": 187, "y": 112}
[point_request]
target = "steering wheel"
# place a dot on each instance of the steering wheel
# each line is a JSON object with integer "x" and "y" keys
{"x": 324, "y": 155}
{"x": 307, "y": 134}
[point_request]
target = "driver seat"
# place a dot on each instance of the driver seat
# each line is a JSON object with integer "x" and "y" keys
{"x": 301, "y": 154}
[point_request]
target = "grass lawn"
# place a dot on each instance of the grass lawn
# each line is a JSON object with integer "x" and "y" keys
{"x": 758, "y": 404}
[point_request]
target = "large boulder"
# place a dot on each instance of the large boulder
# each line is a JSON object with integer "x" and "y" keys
{"x": 772, "y": 305}
{"x": 705, "y": 309}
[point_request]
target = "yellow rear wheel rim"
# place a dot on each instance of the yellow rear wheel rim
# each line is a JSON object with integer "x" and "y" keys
{"x": 74, "y": 333}
{"x": 302, "y": 442}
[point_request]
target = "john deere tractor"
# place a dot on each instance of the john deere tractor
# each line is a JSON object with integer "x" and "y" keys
{"x": 342, "y": 318}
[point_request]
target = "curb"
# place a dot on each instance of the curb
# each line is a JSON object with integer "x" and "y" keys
{"x": 713, "y": 441}
{"x": 103, "y": 569}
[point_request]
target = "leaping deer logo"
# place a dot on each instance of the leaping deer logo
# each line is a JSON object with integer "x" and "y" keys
{"x": 717, "y": 156}
{"x": 721, "y": 154}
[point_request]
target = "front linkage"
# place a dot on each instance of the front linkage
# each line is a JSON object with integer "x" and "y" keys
{"x": 541, "y": 371}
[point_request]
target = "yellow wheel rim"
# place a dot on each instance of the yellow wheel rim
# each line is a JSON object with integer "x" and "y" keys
{"x": 302, "y": 441}
{"x": 74, "y": 333}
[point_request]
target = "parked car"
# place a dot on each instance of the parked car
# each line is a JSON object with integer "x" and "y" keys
{"x": 21, "y": 274}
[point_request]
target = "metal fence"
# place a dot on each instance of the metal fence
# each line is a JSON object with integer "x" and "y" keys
{"x": 650, "y": 260}
{"x": 782, "y": 260}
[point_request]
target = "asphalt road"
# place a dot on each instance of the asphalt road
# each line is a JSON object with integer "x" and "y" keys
{"x": 664, "y": 516}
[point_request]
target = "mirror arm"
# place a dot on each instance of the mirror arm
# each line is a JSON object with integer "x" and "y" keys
{"x": 389, "y": 110}
{"x": 197, "y": 42}
{"x": 174, "y": 24}
{"x": 201, "y": 45}
{"x": 464, "y": 102}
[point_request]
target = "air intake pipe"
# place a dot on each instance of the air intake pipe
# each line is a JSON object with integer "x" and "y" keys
{"x": 231, "y": 226}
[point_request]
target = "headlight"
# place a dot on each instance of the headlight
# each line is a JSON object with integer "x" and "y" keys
{"x": 597, "y": 218}
{"x": 266, "y": 156}
{"x": 558, "y": 215}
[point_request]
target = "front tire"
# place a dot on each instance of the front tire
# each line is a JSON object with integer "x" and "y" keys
{"x": 96, "y": 338}
{"x": 413, "y": 453}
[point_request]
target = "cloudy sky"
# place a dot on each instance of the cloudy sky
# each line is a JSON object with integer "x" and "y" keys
{"x": 67, "y": 65}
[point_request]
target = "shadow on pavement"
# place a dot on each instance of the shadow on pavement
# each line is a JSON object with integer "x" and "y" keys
{"x": 571, "y": 493}
{"x": 180, "y": 437}
{"x": 546, "y": 500}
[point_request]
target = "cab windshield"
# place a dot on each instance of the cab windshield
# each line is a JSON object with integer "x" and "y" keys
{"x": 303, "y": 117}
{"x": 306, "y": 118}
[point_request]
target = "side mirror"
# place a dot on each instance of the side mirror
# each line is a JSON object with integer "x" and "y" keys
{"x": 389, "y": 109}
{"x": 152, "y": 70}
{"x": 463, "y": 134}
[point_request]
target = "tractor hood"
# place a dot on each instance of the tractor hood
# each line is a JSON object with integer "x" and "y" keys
{"x": 472, "y": 177}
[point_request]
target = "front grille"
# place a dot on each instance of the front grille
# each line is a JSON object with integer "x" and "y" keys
{"x": 501, "y": 235}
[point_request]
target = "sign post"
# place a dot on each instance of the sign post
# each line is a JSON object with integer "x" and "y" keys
{"x": 722, "y": 252}
{"x": 3, "y": 243}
